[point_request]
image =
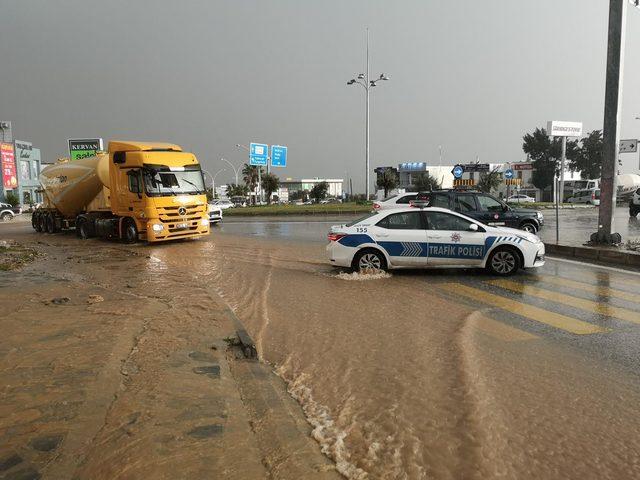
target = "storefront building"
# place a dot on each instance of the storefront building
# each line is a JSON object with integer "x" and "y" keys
{"x": 28, "y": 163}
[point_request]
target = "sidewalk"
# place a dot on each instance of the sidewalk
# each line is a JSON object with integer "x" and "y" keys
{"x": 98, "y": 381}
{"x": 608, "y": 255}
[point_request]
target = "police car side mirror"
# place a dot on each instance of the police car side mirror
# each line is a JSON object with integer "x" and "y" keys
{"x": 473, "y": 227}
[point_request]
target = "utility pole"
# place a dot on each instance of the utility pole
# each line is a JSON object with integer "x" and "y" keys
{"x": 611, "y": 126}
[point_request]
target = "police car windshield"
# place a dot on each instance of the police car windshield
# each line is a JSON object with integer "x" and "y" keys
{"x": 358, "y": 220}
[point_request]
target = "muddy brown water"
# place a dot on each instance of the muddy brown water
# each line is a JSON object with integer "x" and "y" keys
{"x": 400, "y": 382}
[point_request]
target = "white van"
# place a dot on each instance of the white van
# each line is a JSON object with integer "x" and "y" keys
{"x": 590, "y": 196}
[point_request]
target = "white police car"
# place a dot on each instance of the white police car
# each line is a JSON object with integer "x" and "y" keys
{"x": 412, "y": 237}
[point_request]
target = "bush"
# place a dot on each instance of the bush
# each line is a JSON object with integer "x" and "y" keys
{"x": 12, "y": 199}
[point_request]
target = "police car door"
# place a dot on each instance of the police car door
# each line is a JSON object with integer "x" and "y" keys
{"x": 404, "y": 238}
{"x": 452, "y": 240}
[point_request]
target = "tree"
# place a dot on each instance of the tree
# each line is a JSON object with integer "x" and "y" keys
{"x": 234, "y": 190}
{"x": 270, "y": 184}
{"x": 489, "y": 181}
{"x": 387, "y": 180}
{"x": 588, "y": 160}
{"x": 12, "y": 198}
{"x": 319, "y": 191}
{"x": 425, "y": 183}
{"x": 545, "y": 154}
{"x": 250, "y": 176}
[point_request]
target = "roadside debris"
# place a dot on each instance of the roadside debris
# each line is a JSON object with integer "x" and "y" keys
{"x": 95, "y": 299}
{"x": 13, "y": 255}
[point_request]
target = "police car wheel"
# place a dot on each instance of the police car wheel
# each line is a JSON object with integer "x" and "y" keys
{"x": 503, "y": 262}
{"x": 369, "y": 260}
{"x": 529, "y": 227}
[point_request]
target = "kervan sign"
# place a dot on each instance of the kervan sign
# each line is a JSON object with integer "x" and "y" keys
{"x": 84, "y": 147}
{"x": 556, "y": 128}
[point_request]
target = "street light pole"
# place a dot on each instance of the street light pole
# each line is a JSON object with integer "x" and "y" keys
{"x": 235, "y": 170}
{"x": 363, "y": 80}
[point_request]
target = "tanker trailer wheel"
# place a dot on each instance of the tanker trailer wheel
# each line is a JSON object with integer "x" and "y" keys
{"x": 42, "y": 224}
{"x": 49, "y": 223}
{"x": 82, "y": 228}
{"x": 129, "y": 231}
{"x": 35, "y": 221}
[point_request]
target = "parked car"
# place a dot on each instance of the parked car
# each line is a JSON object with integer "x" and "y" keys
{"x": 485, "y": 208}
{"x": 520, "y": 198}
{"x": 395, "y": 201}
{"x": 8, "y": 212}
{"x": 223, "y": 203}
{"x": 215, "y": 213}
{"x": 590, "y": 196}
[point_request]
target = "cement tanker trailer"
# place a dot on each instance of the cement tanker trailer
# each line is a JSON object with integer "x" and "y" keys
{"x": 134, "y": 191}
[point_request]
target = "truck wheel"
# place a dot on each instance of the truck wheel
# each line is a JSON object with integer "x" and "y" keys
{"x": 130, "y": 231}
{"x": 42, "y": 227}
{"x": 503, "y": 262}
{"x": 82, "y": 229}
{"x": 50, "y": 225}
{"x": 6, "y": 216}
{"x": 35, "y": 221}
{"x": 529, "y": 227}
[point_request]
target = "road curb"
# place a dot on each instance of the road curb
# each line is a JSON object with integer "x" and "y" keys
{"x": 604, "y": 255}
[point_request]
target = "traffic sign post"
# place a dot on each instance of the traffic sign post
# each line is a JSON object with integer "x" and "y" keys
{"x": 457, "y": 171}
{"x": 508, "y": 175}
{"x": 258, "y": 154}
{"x": 278, "y": 156}
{"x": 629, "y": 146}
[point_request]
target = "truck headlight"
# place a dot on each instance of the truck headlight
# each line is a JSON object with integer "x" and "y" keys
{"x": 157, "y": 227}
{"x": 204, "y": 222}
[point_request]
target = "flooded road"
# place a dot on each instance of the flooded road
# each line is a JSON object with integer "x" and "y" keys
{"x": 442, "y": 374}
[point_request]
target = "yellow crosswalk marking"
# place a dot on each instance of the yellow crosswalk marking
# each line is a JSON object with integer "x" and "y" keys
{"x": 595, "y": 289}
{"x": 501, "y": 331}
{"x": 531, "y": 312}
{"x": 581, "y": 303}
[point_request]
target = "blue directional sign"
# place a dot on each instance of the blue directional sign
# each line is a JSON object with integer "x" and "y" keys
{"x": 508, "y": 174}
{"x": 278, "y": 156}
{"x": 258, "y": 154}
{"x": 457, "y": 171}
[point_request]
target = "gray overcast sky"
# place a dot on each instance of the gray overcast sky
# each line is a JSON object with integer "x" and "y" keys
{"x": 472, "y": 76}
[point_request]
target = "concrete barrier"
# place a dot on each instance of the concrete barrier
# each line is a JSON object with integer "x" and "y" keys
{"x": 605, "y": 255}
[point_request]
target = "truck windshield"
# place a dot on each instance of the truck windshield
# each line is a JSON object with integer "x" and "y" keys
{"x": 161, "y": 181}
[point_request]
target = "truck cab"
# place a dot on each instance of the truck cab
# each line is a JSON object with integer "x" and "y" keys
{"x": 160, "y": 188}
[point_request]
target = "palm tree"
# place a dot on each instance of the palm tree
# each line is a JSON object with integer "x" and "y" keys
{"x": 250, "y": 176}
{"x": 388, "y": 180}
{"x": 270, "y": 184}
{"x": 490, "y": 181}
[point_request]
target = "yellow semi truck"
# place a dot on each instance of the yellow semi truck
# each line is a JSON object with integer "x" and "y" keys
{"x": 134, "y": 191}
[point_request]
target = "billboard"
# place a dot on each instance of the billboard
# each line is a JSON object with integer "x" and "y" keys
{"x": 556, "y": 128}
{"x": 9, "y": 171}
{"x": 84, "y": 147}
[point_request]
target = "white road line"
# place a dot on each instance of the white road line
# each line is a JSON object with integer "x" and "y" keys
{"x": 595, "y": 265}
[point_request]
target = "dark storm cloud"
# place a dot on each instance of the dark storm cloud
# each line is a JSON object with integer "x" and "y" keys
{"x": 471, "y": 76}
